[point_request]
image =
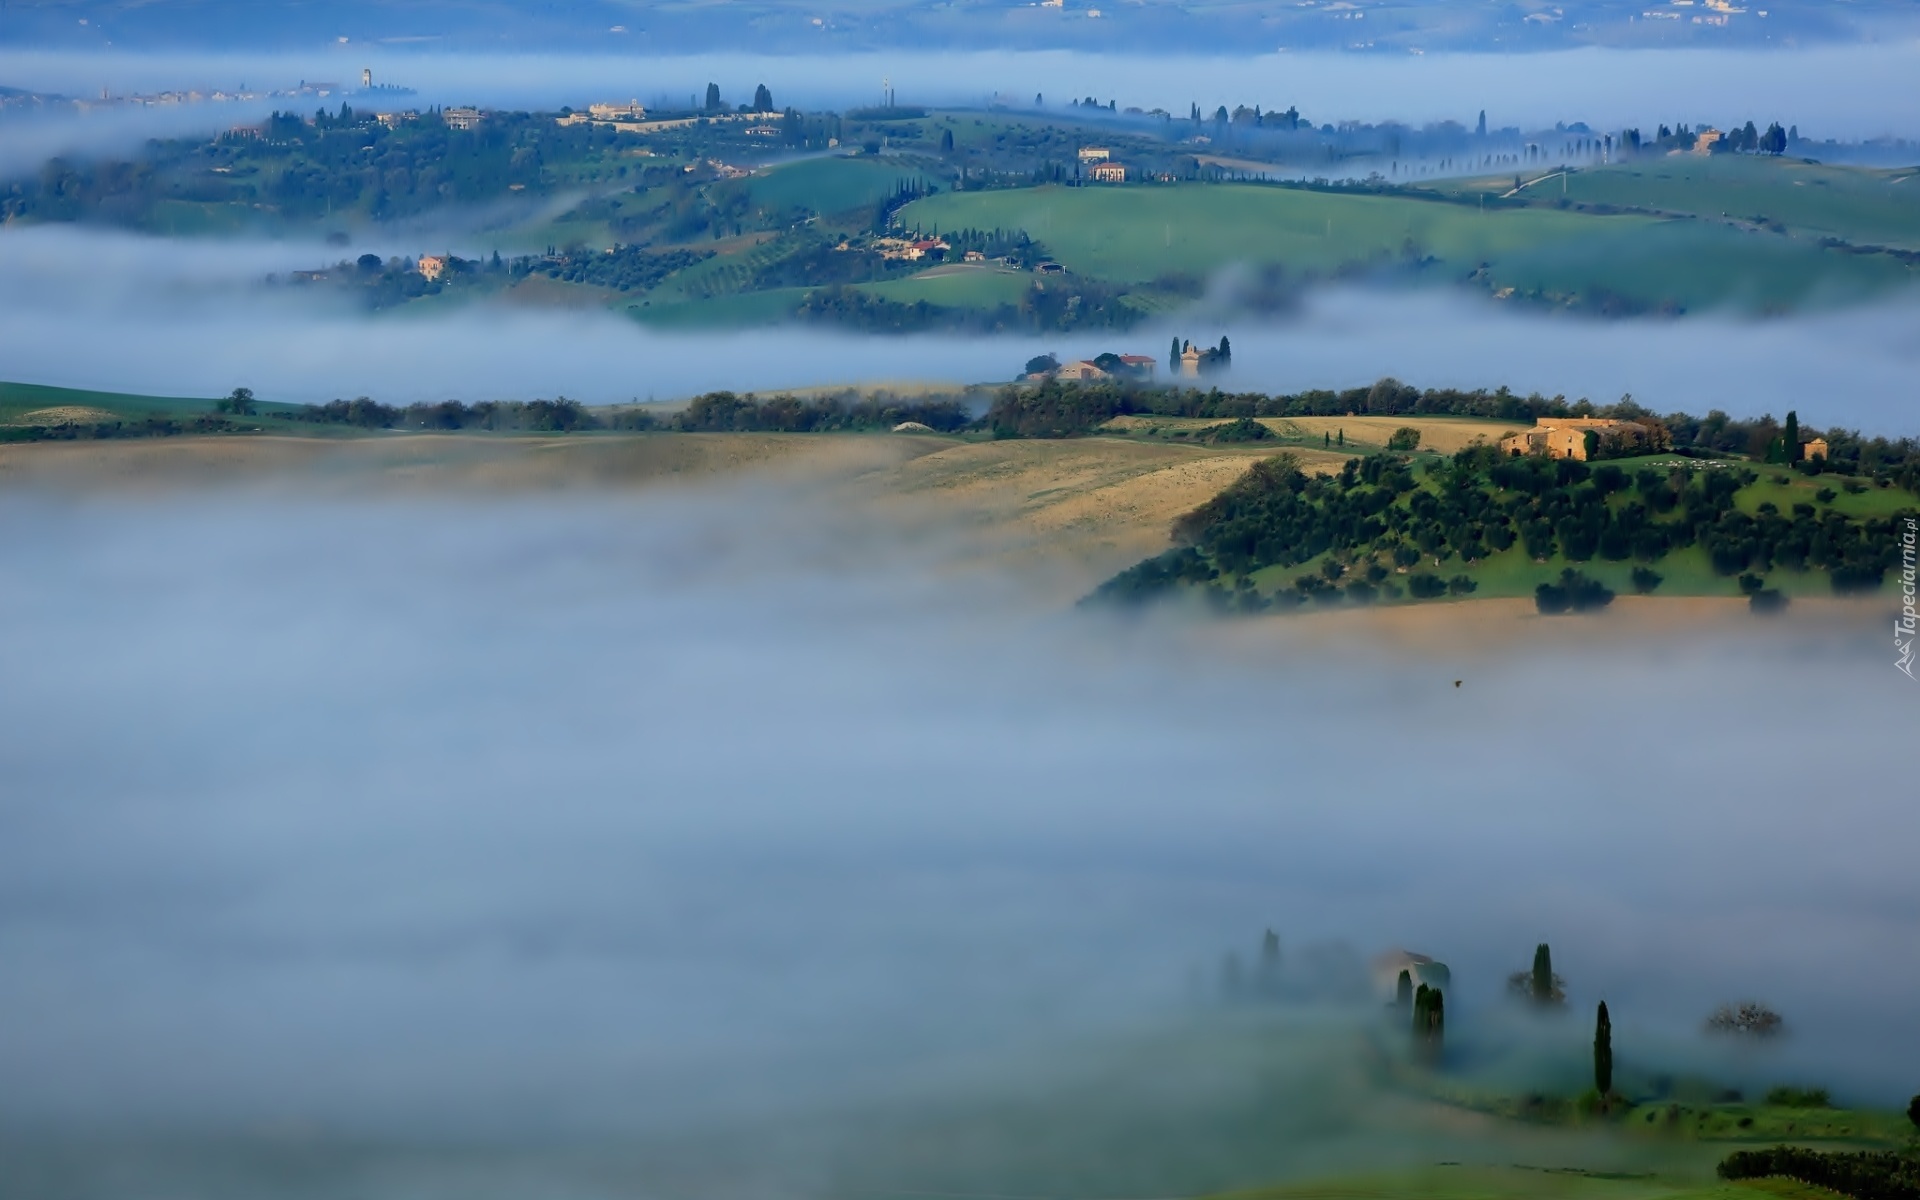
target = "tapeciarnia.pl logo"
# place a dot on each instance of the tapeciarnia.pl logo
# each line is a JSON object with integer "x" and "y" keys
{"x": 1903, "y": 625}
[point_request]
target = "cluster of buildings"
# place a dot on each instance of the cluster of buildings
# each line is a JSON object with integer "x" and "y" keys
{"x": 1108, "y": 365}
{"x": 1586, "y": 438}
{"x": 1580, "y": 438}
{"x": 911, "y": 249}
{"x": 307, "y": 89}
{"x": 629, "y": 115}
{"x": 1098, "y": 160}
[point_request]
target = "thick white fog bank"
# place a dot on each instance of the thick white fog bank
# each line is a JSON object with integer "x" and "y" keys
{"x": 1829, "y": 91}
{"x": 193, "y": 318}
{"x": 611, "y": 814}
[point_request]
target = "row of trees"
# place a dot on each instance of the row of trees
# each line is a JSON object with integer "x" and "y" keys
{"x": 1092, "y": 404}
{"x": 723, "y": 412}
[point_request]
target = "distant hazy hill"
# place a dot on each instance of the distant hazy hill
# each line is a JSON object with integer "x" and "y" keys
{"x": 1140, "y": 26}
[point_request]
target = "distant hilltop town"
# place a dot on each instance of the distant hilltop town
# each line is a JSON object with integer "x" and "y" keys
{"x": 11, "y": 99}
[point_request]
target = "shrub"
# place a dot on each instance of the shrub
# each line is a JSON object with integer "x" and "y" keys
{"x": 1826, "y": 495}
{"x": 1460, "y": 585}
{"x": 1749, "y": 1018}
{"x": 1575, "y": 592}
{"x": 1426, "y": 586}
{"x": 1645, "y": 580}
{"x": 1246, "y": 429}
{"x": 1404, "y": 439}
{"x": 1751, "y": 583}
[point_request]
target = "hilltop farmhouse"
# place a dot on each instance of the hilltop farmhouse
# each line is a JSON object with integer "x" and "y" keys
{"x": 1106, "y": 366}
{"x": 1581, "y": 438}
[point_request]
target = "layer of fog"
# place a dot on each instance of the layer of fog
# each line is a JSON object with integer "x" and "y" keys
{"x": 194, "y": 318}
{"x": 494, "y": 818}
{"x": 28, "y": 141}
{"x": 1828, "y": 91}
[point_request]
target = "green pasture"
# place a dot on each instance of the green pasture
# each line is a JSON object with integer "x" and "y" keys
{"x": 829, "y": 185}
{"x": 197, "y": 218}
{"x": 1694, "y": 265}
{"x": 1804, "y": 489}
{"x": 720, "y": 310}
{"x": 1771, "y": 1124}
{"x": 19, "y": 398}
{"x": 956, "y": 287}
{"x": 1135, "y": 234}
{"x": 1856, "y": 204}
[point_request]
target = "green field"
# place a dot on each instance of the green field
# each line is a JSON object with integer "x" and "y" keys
{"x": 720, "y": 311}
{"x": 17, "y": 399}
{"x": 1136, "y": 234}
{"x": 1857, "y": 204}
{"x": 830, "y": 185}
{"x": 956, "y": 287}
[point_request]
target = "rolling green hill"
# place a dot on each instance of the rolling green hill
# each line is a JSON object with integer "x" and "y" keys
{"x": 1630, "y": 261}
{"x": 1814, "y": 200}
{"x": 830, "y": 185}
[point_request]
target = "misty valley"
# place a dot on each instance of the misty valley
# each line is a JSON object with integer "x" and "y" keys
{"x": 1002, "y": 601}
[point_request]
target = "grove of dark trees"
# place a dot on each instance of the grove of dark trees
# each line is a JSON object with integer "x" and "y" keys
{"x": 1374, "y": 518}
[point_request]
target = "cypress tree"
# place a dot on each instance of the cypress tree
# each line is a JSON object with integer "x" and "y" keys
{"x": 1270, "y": 952}
{"x": 1793, "y": 436}
{"x": 1542, "y": 974}
{"x": 1436, "y": 1022}
{"x": 1403, "y": 993}
{"x": 1603, "y": 1053}
{"x": 1173, "y": 359}
{"x": 1422, "y": 1004}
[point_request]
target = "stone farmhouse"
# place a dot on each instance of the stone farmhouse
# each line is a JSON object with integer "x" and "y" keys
{"x": 1578, "y": 437}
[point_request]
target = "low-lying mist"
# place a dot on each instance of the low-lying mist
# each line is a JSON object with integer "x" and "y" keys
{"x": 730, "y": 824}
{"x": 195, "y": 318}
